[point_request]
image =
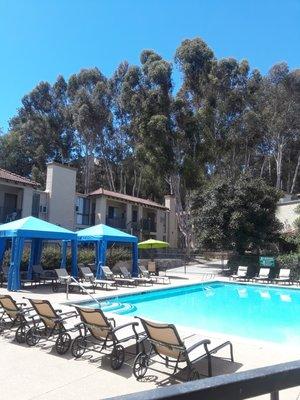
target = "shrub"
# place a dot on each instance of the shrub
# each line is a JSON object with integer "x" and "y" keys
{"x": 51, "y": 256}
{"x": 291, "y": 261}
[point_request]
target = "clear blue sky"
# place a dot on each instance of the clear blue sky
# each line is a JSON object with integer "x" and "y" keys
{"x": 40, "y": 39}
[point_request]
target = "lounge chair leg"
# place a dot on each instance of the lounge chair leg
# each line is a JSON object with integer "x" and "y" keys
{"x": 209, "y": 368}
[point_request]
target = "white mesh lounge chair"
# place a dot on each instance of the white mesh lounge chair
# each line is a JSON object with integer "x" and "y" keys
{"x": 64, "y": 280}
{"x": 142, "y": 280}
{"x": 144, "y": 273}
{"x": 88, "y": 276}
{"x": 167, "y": 344}
{"x": 119, "y": 281}
{"x": 284, "y": 276}
{"x": 43, "y": 274}
{"x": 263, "y": 275}
{"x": 242, "y": 273}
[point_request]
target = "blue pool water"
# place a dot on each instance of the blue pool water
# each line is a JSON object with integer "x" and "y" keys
{"x": 252, "y": 311}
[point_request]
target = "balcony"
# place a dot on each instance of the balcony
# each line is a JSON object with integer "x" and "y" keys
{"x": 119, "y": 223}
{"x": 8, "y": 214}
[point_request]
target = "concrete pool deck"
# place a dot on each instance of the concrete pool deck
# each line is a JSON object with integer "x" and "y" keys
{"x": 39, "y": 373}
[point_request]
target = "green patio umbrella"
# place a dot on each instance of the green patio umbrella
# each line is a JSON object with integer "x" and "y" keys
{"x": 152, "y": 244}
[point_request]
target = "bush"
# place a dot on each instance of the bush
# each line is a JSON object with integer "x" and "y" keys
{"x": 291, "y": 261}
{"x": 51, "y": 256}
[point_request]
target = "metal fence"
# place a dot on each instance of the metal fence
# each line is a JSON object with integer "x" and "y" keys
{"x": 238, "y": 386}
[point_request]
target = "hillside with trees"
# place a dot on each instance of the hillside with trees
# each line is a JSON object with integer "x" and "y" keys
{"x": 134, "y": 133}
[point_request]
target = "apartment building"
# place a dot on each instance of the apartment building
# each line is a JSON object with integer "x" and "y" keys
{"x": 60, "y": 204}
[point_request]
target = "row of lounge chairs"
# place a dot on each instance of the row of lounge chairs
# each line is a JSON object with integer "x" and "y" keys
{"x": 59, "y": 278}
{"x": 110, "y": 280}
{"x": 88, "y": 329}
{"x": 284, "y": 276}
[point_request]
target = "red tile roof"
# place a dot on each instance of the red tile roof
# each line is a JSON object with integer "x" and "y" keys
{"x": 14, "y": 178}
{"x": 126, "y": 197}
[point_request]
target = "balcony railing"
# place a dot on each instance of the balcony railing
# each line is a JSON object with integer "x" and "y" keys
{"x": 116, "y": 222}
{"x": 7, "y": 214}
{"x": 238, "y": 386}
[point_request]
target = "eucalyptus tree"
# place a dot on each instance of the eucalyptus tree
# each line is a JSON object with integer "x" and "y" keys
{"x": 91, "y": 116}
{"x": 280, "y": 120}
{"x": 43, "y": 128}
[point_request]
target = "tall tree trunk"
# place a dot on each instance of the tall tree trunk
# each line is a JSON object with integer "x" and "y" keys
{"x": 295, "y": 174}
{"x": 263, "y": 167}
{"x": 278, "y": 159}
{"x": 139, "y": 185}
{"x": 183, "y": 217}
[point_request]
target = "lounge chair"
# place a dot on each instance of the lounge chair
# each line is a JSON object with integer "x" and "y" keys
{"x": 51, "y": 324}
{"x": 15, "y": 314}
{"x": 242, "y": 273}
{"x": 263, "y": 275}
{"x": 142, "y": 280}
{"x": 43, "y": 274}
{"x": 119, "y": 281}
{"x": 97, "y": 333}
{"x": 88, "y": 276}
{"x": 284, "y": 276}
{"x": 65, "y": 280}
{"x": 165, "y": 342}
{"x": 144, "y": 273}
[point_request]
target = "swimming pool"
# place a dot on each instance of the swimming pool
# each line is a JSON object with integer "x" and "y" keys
{"x": 252, "y": 311}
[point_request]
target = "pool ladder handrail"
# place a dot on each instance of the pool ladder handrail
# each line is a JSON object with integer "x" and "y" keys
{"x": 82, "y": 288}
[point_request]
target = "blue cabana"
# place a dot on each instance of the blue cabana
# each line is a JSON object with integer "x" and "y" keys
{"x": 37, "y": 231}
{"x": 101, "y": 235}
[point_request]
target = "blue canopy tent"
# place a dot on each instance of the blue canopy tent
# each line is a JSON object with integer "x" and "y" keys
{"x": 37, "y": 231}
{"x": 101, "y": 235}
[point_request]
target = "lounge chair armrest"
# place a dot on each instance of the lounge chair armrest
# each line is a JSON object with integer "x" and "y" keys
{"x": 70, "y": 313}
{"x": 125, "y": 326}
{"x": 21, "y": 304}
{"x": 112, "y": 321}
{"x": 203, "y": 342}
{"x": 58, "y": 311}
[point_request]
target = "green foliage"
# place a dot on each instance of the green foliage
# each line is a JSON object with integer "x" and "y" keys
{"x": 51, "y": 256}
{"x": 134, "y": 134}
{"x": 249, "y": 260}
{"x": 235, "y": 214}
{"x": 292, "y": 261}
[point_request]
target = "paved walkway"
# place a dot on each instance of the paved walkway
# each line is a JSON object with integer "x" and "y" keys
{"x": 39, "y": 373}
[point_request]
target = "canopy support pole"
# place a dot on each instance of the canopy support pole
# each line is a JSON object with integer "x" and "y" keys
{"x": 14, "y": 281}
{"x": 102, "y": 247}
{"x": 74, "y": 266}
{"x": 2, "y": 249}
{"x": 135, "y": 267}
{"x": 64, "y": 246}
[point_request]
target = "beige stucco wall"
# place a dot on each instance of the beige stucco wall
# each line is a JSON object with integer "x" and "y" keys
{"x": 61, "y": 188}
{"x": 27, "y": 201}
{"x": 287, "y": 215}
{"x": 100, "y": 210}
{"x": 172, "y": 226}
{"x": 160, "y": 229}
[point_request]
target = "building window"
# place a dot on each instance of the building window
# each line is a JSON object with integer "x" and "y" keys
{"x": 82, "y": 211}
{"x": 134, "y": 215}
{"x": 35, "y": 205}
{"x": 111, "y": 212}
